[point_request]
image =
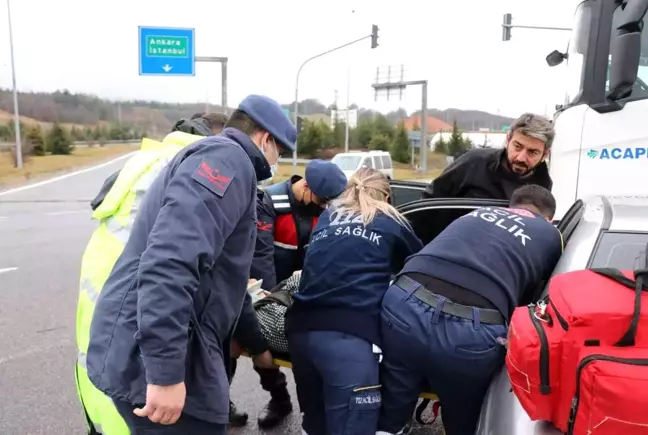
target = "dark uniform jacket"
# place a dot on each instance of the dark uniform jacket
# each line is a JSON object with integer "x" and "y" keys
{"x": 169, "y": 306}
{"x": 346, "y": 273}
{"x": 480, "y": 173}
{"x": 501, "y": 254}
{"x": 284, "y": 232}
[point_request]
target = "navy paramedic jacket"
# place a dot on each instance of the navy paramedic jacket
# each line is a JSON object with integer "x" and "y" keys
{"x": 499, "y": 253}
{"x": 169, "y": 306}
{"x": 346, "y": 273}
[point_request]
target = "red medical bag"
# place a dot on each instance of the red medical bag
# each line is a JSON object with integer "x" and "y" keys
{"x": 579, "y": 358}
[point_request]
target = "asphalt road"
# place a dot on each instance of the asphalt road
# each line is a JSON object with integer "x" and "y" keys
{"x": 43, "y": 231}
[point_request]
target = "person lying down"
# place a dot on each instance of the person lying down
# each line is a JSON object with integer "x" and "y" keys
{"x": 271, "y": 307}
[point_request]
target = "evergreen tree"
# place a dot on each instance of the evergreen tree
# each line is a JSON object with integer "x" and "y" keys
{"x": 58, "y": 140}
{"x": 400, "y": 146}
{"x": 34, "y": 138}
{"x": 379, "y": 142}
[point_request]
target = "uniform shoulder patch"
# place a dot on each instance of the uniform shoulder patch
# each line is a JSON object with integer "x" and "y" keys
{"x": 215, "y": 178}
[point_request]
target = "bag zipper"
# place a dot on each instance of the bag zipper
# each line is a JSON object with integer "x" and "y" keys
{"x": 583, "y": 363}
{"x": 544, "y": 352}
{"x": 561, "y": 319}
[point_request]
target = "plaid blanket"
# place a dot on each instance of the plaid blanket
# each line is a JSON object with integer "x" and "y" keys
{"x": 272, "y": 314}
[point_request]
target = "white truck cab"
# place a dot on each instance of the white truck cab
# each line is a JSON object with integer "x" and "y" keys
{"x": 354, "y": 160}
{"x": 601, "y": 144}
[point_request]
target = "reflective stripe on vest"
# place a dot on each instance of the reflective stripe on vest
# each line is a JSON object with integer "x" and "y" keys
{"x": 281, "y": 203}
{"x": 116, "y": 215}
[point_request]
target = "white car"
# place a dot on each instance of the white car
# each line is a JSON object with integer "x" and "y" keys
{"x": 351, "y": 162}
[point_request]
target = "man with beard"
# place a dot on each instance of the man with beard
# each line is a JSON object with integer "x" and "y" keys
{"x": 496, "y": 173}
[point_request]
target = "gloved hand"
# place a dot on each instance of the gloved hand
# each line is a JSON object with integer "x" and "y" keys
{"x": 264, "y": 360}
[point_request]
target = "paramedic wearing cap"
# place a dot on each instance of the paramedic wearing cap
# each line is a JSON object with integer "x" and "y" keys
{"x": 286, "y": 214}
{"x": 444, "y": 318}
{"x": 333, "y": 324}
{"x": 285, "y": 229}
{"x": 162, "y": 323}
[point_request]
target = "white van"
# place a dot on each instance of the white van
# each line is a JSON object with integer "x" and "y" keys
{"x": 354, "y": 160}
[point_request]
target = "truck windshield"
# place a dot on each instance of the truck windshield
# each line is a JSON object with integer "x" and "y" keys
{"x": 346, "y": 163}
{"x": 577, "y": 50}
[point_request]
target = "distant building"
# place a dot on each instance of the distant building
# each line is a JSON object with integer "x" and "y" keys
{"x": 414, "y": 124}
{"x": 434, "y": 125}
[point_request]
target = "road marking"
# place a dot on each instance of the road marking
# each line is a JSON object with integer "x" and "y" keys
{"x": 61, "y": 213}
{"x": 8, "y": 269}
{"x": 64, "y": 176}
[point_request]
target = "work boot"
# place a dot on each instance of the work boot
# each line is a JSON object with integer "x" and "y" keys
{"x": 236, "y": 418}
{"x": 274, "y": 412}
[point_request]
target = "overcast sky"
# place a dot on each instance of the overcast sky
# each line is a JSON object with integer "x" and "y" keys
{"x": 92, "y": 46}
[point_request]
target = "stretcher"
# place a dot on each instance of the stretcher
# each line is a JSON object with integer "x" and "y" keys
{"x": 283, "y": 360}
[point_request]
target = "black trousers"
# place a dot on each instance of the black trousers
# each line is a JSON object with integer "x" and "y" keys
{"x": 184, "y": 426}
{"x": 272, "y": 380}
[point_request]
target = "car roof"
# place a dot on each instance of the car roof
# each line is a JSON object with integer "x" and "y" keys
{"x": 619, "y": 213}
{"x": 359, "y": 153}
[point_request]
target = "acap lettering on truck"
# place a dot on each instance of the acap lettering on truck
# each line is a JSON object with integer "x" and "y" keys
{"x": 619, "y": 153}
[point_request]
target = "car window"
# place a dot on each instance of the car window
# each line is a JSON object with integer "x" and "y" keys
{"x": 386, "y": 162}
{"x": 625, "y": 251}
{"x": 346, "y": 162}
{"x": 367, "y": 162}
{"x": 377, "y": 162}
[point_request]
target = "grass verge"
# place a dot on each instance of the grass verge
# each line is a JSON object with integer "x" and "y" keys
{"x": 37, "y": 166}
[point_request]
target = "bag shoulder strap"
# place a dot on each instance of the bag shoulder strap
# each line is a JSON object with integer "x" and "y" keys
{"x": 639, "y": 286}
{"x": 615, "y": 275}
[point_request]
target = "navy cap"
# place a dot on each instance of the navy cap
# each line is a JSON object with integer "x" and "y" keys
{"x": 325, "y": 179}
{"x": 271, "y": 117}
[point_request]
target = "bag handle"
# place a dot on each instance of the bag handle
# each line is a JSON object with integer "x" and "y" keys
{"x": 639, "y": 285}
{"x": 282, "y": 297}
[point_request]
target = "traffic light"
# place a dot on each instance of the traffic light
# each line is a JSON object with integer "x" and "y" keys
{"x": 374, "y": 36}
{"x": 506, "y": 27}
{"x": 299, "y": 125}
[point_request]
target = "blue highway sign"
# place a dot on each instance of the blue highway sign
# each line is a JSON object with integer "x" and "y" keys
{"x": 166, "y": 51}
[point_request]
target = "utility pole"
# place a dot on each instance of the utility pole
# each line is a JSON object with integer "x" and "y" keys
{"x": 400, "y": 86}
{"x": 346, "y": 124}
{"x": 19, "y": 156}
{"x": 374, "y": 44}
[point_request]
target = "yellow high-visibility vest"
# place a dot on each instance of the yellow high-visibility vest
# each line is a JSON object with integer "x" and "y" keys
{"x": 116, "y": 215}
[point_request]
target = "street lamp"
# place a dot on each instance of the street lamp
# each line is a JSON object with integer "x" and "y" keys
{"x": 507, "y": 26}
{"x": 19, "y": 160}
{"x": 373, "y": 35}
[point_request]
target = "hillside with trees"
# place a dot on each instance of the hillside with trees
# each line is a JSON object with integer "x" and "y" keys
{"x": 48, "y": 117}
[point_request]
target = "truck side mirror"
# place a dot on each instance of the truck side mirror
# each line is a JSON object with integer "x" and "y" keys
{"x": 625, "y": 53}
{"x": 625, "y": 49}
{"x": 555, "y": 58}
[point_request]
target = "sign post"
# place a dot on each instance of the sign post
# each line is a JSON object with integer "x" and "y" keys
{"x": 167, "y": 51}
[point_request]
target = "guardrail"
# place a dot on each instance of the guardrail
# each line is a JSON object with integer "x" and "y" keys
{"x": 5, "y": 146}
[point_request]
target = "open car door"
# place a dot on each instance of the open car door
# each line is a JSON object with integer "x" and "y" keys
{"x": 403, "y": 192}
{"x": 429, "y": 217}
